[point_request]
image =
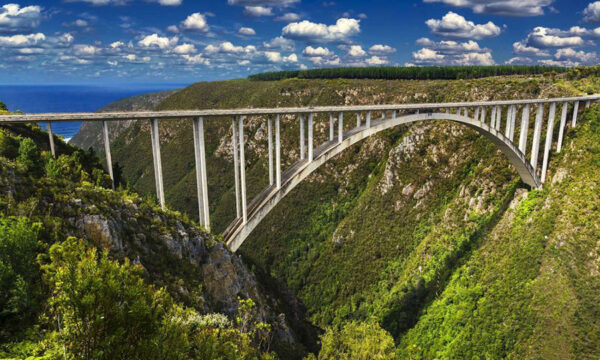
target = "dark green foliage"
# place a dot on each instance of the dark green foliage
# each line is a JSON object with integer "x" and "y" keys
{"x": 3, "y": 107}
{"x": 104, "y": 310}
{"x": 9, "y": 146}
{"x": 89, "y": 305}
{"x": 19, "y": 274}
{"x": 356, "y": 341}
{"x": 408, "y": 73}
{"x": 29, "y": 156}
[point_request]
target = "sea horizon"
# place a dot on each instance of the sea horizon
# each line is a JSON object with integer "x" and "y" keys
{"x": 49, "y": 98}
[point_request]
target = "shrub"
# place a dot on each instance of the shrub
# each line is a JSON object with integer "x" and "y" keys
{"x": 19, "y": 275}
{"x": 30, "y": 156}
{"x": 357, "y": 341}
{"x": 105, "y": 310}
{"x": 9, "y": 146}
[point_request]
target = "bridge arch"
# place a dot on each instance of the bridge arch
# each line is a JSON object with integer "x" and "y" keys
{"x": 237, "y": 232}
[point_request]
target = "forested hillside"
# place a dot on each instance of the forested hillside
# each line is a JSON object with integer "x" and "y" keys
{"x": 408, "y": 72}
{"x": 90, "y": 273}
{"x": 422, "y": 234}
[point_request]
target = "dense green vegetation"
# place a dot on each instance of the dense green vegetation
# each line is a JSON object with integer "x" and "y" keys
{"x": 421, "y": 234}
{"x": 408, "y": 73}
{"x": 80, "y": 297}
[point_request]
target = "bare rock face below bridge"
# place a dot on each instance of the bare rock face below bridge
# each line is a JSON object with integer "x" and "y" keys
{"x": 194, "y": 267}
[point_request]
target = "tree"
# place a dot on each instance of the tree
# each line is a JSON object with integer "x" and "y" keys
{"x": 357, "y": 341}
{"x": 19, "y": 275}
{"x": 3, "y": 107}
{"x": 104, "y": 310}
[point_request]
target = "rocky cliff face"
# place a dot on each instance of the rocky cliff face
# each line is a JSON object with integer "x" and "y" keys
{"x": 192, "y": 264}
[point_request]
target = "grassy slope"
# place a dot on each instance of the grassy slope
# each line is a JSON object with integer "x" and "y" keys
{"x": 531, "y": 289}
{"x": 386, "y": 236}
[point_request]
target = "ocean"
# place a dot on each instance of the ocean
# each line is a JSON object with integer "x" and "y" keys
{"x": 70, "y": 98}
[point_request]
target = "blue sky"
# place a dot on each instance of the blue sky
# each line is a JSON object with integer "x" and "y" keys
{"x": 182, "y": 41}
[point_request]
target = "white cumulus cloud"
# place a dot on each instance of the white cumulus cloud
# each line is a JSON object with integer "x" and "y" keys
{"x": 516, "y": 8}
{"x": 308, "y": 31}
{"x": 453, "y": 25}
{"x": 185, "y": 49}
{"x": 379, "y": 49}
{"x": 155, "y": 41}
{"x": 14, "y": 18}
{"x": 277, "y": 3}
{"x": 258, "y": 11}
{"x": 592, "y": 12}
{"x": 280, "y": 43}
{"x": 195, "y": 22}
{"x": 376, "y": 60}
{"x": 356, "y": 51}
{"x": 246, "y": 31}
{"x": 288, "y": 17}
{"x": 22, "y": 40}
{"x": 319, "y": 51}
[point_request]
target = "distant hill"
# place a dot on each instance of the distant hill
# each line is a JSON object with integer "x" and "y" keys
{"x": 90, "y": 133}
{"x": 409, "y": 72}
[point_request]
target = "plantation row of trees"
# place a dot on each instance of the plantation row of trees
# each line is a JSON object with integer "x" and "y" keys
{"x": 408, "y": 73}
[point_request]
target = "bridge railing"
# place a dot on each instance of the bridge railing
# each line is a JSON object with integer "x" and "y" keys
{"x": 500, "y": 116}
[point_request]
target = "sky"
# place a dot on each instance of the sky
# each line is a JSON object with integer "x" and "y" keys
{"x": 184, "y": 41}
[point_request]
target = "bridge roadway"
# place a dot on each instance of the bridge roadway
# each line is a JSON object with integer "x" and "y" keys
{"x": 484, "y": 117}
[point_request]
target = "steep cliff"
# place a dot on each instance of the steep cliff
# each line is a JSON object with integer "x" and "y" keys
{"x": 69, "y": 198}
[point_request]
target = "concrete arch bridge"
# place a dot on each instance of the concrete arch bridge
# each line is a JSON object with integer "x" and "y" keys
{"x": 505, "y": 123}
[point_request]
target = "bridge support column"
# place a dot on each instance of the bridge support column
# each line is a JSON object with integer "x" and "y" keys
{"x": 277, "y": 153}
{"x": 310, "y": 138}
{"x": 548, "y": 146}
{"x": 537, "y": 134}
{"x": 201, "y": 182}
{"x": 498, "y": 118}
{"x": 331, "y": 126}
{"x": 358, "y": 121}
{"x": 513, "y": 123}
{"x": 587, "y": 104}
{"x": 483, "y": 110}
{"x": 368, "y": 119}
{"x": 243, "y": 171}
{"x": 561, "y": 130}
{"x": 575, "y": 113}
{"x": 477, "y": 111}
{"x": 107, "y": 152}
{"x": 270, "y": 134}
{"x": 509, "y": 111}
{"x": 394, "y": 114}
{"x": 236, "y": 167}
{"x": 51, "y": 138}
{"x": 154, "y": 137}
{"x": 524, "y": 129}
{"x": 341, "y": 127}
{"x": 302, "y": 137}
{"x": 493, "y": 119}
